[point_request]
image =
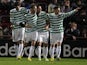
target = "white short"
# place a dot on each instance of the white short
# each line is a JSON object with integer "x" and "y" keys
{"x": 43, "y": 37}
{"x": 31, "y": 36}
{"x": 18, "y": 34}
{"x": 56, "y": 37}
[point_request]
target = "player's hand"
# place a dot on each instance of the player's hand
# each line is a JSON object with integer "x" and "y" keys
{"x": 74, "y": 38}
{"x": 28, "y": 26}
{"x": 12, "y": 26}
{"x": 47, "y": 27}
{"x": 77, "y": 9}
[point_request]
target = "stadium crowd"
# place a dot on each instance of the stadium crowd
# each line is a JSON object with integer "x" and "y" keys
{"x": 75, "y": 25}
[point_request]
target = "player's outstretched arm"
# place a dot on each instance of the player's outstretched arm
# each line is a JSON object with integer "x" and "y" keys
{"x": 77, "y": 9}
{"x": 71, "y": 12}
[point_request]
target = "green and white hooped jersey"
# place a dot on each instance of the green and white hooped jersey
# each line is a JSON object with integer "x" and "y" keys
{"x": 17, "y": 17}
{"x": 31, "y": 21}
{"x": 56, "y": 21}
{"x": 41, "y": 21}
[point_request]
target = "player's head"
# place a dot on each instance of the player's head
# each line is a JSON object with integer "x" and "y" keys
{"x": 56, "y": 9}
{"x": 33, "y": 8}
{"x": 39, "y": 8}
{"x": 17, "y": 5}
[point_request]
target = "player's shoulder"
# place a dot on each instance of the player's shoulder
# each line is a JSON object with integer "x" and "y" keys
{"x": 51, "y": 14}
{"x": 62, "y": 14}
{"x": 43, "y": 12}
{"x": 23, "y": 8}
{"x": 13, "y": 10}
{"x": 30, "y": 15}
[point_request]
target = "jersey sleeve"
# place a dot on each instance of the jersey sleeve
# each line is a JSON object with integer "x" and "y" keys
{"x": 24, "y": 10}
{"x": 69, "y": 13}
{"x": 11, "y": 16}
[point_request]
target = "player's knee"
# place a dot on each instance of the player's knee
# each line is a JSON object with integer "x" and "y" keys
{"x": 40, "y": 43}
{"x": 53, "y": 45}
{"x": 58, "y": 44}
{"x": 33, "y": 43}
{"x": 45, "y": 44}
{"x": 20, "y": 42}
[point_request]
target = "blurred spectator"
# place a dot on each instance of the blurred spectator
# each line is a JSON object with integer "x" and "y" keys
{"x": 85, "y": 33}
{"x": 5, "y": 5}
{"x": 52, "y": 5}
{"x": 1, "y": 32}
{"x": 77, "y": 3}
{"x": 26, "y": 5}
{"x": 66, "y": 7}
{"x": 22, "y": 2}
{"x": 5, "y": 22}
{"x": 31, "y": 1}
{"x": 81, "y": 19}
{"x": 6, "y": 31}
{"x": 41, "y": 1}
{"x": 12, "y": 3}
{"x": 72, "y": 33}
{"x": 84, "y": 23}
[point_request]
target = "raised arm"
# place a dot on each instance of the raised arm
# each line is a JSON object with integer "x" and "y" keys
{"x": 71, "y": 12}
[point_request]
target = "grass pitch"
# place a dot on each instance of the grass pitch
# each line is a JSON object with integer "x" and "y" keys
{"x": 24, "y": 61}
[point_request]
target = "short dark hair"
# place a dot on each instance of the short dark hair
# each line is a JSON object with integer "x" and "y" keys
{"x": 38, "y": 5}
{"x": 17, "y": 4}
{"x": 32, "y": 6}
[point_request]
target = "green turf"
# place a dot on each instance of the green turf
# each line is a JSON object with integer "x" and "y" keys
{"x": 24, "y": 61}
